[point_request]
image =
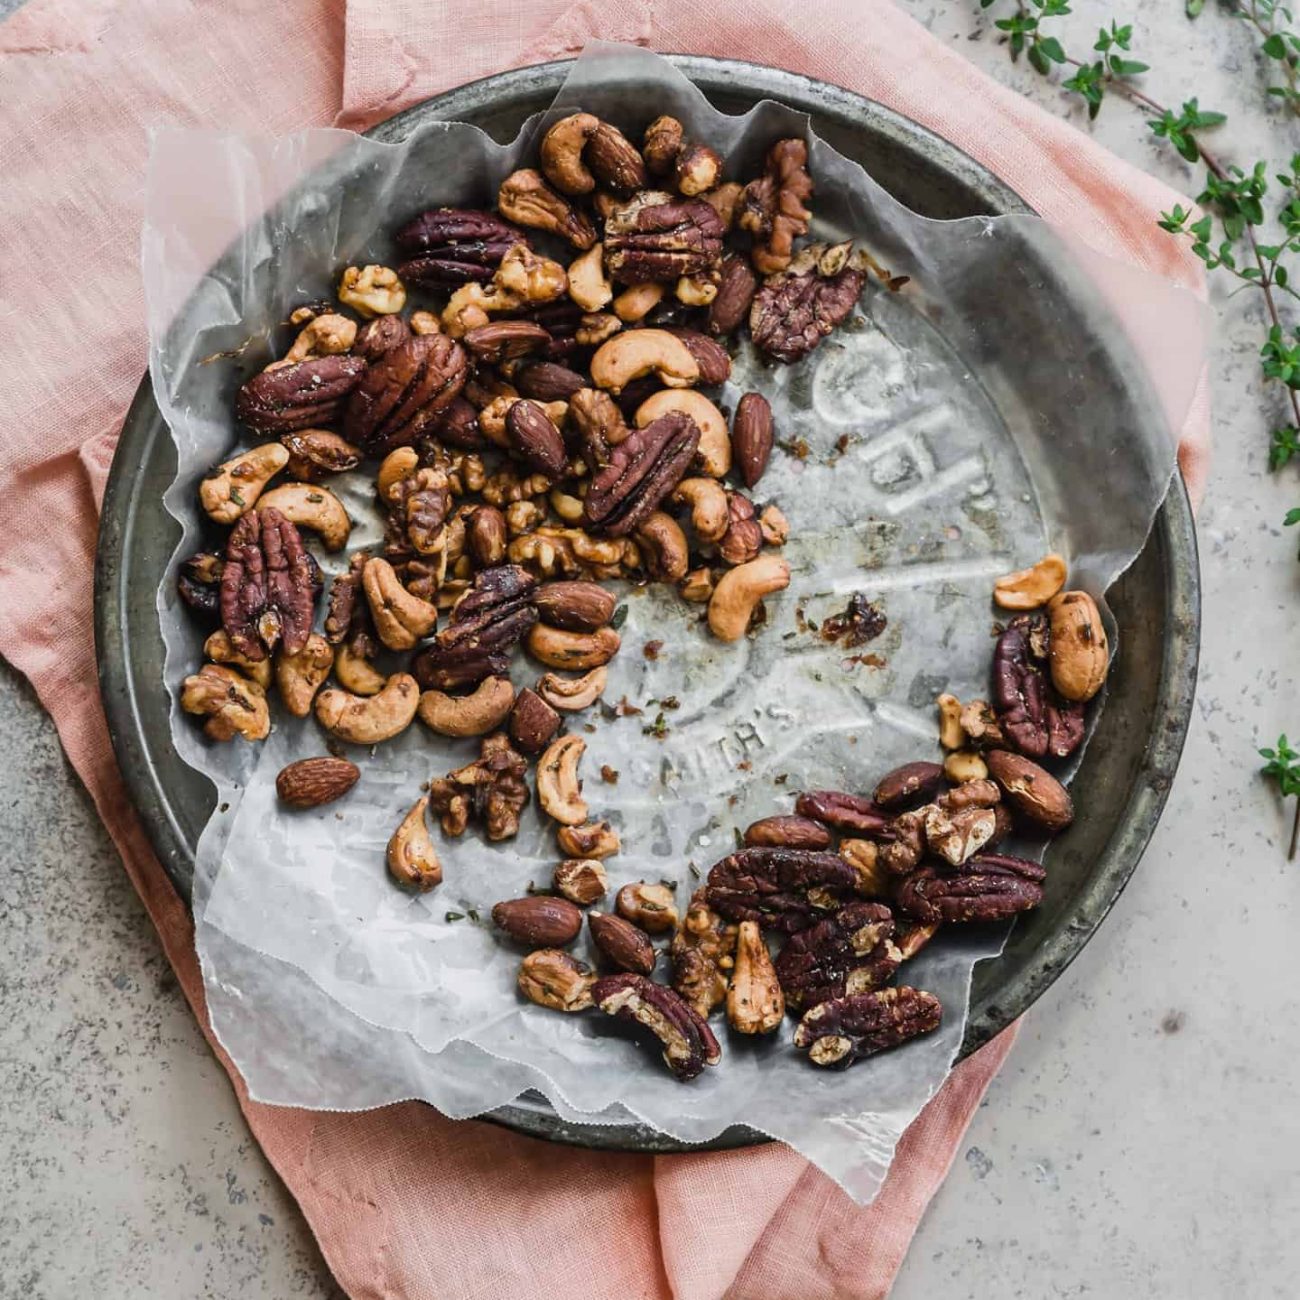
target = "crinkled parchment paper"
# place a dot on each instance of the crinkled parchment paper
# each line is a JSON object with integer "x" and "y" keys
{"x": 918, "y": 459}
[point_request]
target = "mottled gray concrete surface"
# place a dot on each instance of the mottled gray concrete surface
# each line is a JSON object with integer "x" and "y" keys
{"x": 1144, "y": 1138}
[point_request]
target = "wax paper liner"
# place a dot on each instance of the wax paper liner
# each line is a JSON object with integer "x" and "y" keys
{"x": 948, "y": 433}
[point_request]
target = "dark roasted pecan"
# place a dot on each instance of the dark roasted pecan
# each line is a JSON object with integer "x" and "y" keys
{"x": 534, "y": 439}
{"x": 538, "y": 921}
{"x": 688, "y": 1042}
{"x": 987, "y": 887}
{"x": 199, "y": 582}
{"x": 752, "y": 437}
{"x": 301, "y": 396}
{"x": 844, "y": 812}
{"x": 787, "y": 833}
{"x": 621, "y": 943}
{"x": 709, "y": 354}
{"x": 642, "y": 471}
{"x": 379, "y": 335}
{"x": 1020, "y": 690}
{"x": 403, "y": 392}
{"x": 906, "y": 786}
{"x": 452, "y": 246}
{"x": 577, "y": 606}
{"x": 781, "y": 889}
{"x": 503, "y": 340}
{"x": 842, "y": 1031}
{"x": 268, "y": 586}
{"x": 849, "y": 952}
{"x": 314, "y": 452}
{"x": 533, "y": 723}
{"x": 905, "y": 842}
{"x": 347, "y": 602}
{"x": 1065, "y": 725}
{"x": 1036, "y": 797}
{"x": 548, "y": 381}
{"x": 795, "y": 310}
{"x": 457, "y": 426}
{"x": 486, "y": 623}
{"x": 661, "y": 238}
{"x": 736, "y": 289}
{"x": 599, "y": 425}
{"x": 772, "y": 207}
{"x": 492, "y": 790}
{"x": 702, "y": 953}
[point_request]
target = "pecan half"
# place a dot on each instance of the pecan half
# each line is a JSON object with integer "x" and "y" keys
{"x": 842, "y": 1031}
{"x": 452, "y": 246}
{"x": 657, "y": 237}
{"x": 485, "y": 625}
{"x": 844, "y": 812}
{"x": 849, "y": 952}
{"x": 642, "y": 471}
{"x": 302, "y": 396}
{"x": 403, "y": 392}
{"x": 781, "y": 889}
{"x": 772, "y": 207}
{"x": 268, "y": 586}
{"x": 798, "y": 308}
{"x": 987, "y": 887}
{"x": 492, "y": 790}
{"x": 688, "y": 1042}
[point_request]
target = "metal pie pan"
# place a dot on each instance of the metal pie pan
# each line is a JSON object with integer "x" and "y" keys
{"x": 1131, "y": 758}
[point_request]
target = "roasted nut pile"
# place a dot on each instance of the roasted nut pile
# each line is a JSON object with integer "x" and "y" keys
{"x": 536, "y": 386}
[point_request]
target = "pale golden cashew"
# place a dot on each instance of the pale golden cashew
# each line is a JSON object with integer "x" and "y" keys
{"x": 396, "y": 466}
{"x": 774, "y": 526}
{"x": 372, "y": 291}
{"x": 529, "y": 277}
{"x": 559, "y": 790}
{"x": 964, "y": 765}
{"x": 696, "y": 586}
{"x": 526, "y": 199}
{"x": 355, "y": 673}
{"x": 401, "y": 618}
{"x": 362, "y": 720}
{"x": 589, "y": 286}
{"x": 707, "y": 499}
{"x": 714, "y": 455}
{"x": 596, "y": 328}
{"x": 1079, "y": 657}
{"x": 424, "y": 322}
{"x": 561, "y": 153}
{"x": 594, "y": 840}
{"x": 696, "y": 290}
{"x": 219, "y": 649}
{"x": 739, "y": 590}
{"x": 412, "y": 859}
{"x": 234, "y": 706}
{"x": 952, "y": 735}
{"x": 234, "y": 486}
{"x": 572, "y": 694}
{"x": 309, "y": 505}
{"x": 663, "y": 547}
{"x": 1033, "y": 587}
{"x": 637, "y": 302}
{"x": 633, "y": 353}
{"x": 484, "y": 709}
{"x": 323, "y": 336}
{"x": 557, "y": 648}
{"x": 299, "y": 676}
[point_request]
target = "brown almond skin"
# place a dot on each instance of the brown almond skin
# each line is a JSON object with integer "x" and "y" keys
{"x": 1036, "y": 797}
{"x": 752, "y": 437}
{"x": 538, "y": 921}
{"x": 575, "y": 606}
{"x": 790, "y": 832}
{"x": 486, "y": 535}
{"x": 535, "y": 439}
{"x": 621, "y": 943}
{"x": 533, "y": 723}
{"x": 913, "y": 783}
{"x": 311, "y": 782}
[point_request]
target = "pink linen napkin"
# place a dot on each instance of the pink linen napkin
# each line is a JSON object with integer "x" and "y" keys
{"x": 404, "y": 1203}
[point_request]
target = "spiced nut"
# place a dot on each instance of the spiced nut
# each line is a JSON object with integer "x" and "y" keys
{"x": 739, "y": 591}
{"x": 580, "y": 880}
{"x": 309, "y": 505}
{"x": 233, "y": 705}
{"x": 219, "y": 648}
{"x": 755, "y": 1003}
{"x": 553, "y": 978}
{"x": 312, "y": 782}
{"x": 484, "y": 709}
{"x": 632, "y": 354}
{"x": 355, "y": 674}
{"x": 533, "y": 723}
{"x": 651, "y": 907}
{"x": 235, "y": 485}
{"x": 558, "y": 648}
{"x": 1035, "y": 795}
{"x": 952, "y": 735}
{"x": 1079, "y": 654}
{"x": 621, "y": 943}
{"x": 401, "y": 618}
{"x": 299, "y": 676}
{"x": 572, "y": 694}
{"x": 663, "y": 547}
{"x": 559, "y": 790}
{"x": 589, "y": 286}
{"x": 538, "y": 921}
{"x": 713, "y": 456}
{"x": 412, "y": 859}
{"x": 594, "y": 840}
{"x": 1033, "y": 587}
{"x": 363, "y": 720}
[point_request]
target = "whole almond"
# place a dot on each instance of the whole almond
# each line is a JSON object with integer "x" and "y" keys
{"x": 735, "y": 295}
{"x": 912, "y": 783}
{"x": 752, "y": 437}
{"x": 538, "y": 921}
{"x": 548, "y": 381}
{"x": 577, "y": 606}
{"x": 622, "y": 944}
{"x": 1035, "y": 795}
{"x": 310, "y": 782}
{"x": 535, "y": 439}
{"x": 486, "y": 536}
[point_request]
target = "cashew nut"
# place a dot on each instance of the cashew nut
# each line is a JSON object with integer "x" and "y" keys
{"x": 594, "y": 840}
{"x": 1033, "y": 587}
{"x": 696, "y": 586}
{"x": 1079, "y": 657}
{"x": 964, "y": 765}
{"x": 309, "y": 505}
{"x": 481, "y": 711}
{"x": 324, "y": 335}
{"x": 714, "y": 455}
{"x": 401, "y": 618}
{"x": 355, "y": 674}
{"x": 557, "y": 648}
{"x": 739, "y": 590}
{"x": 774, "y": 526}
{"x": 559, "y": 790}
{"x": 299, "y": 676}
{"x": 633, "y": 353}
{"x": 589, "y": 286}
{"x": 396, "y": 466}
{"x": 372, "y": 291}
{"x": 412, "y": 859}
{"x": 572, "y": 694}
{"x": 219, "y": 649}
{"x": 234, "y": 705}
{"x": 561, "y": 153}
{"x": 567, "y": 507}
{"x": 367, "y": 721}
{"x": 663, "y": 547}
{"x": 637, "y": 302}
{"x": 707, "y": 499}
{"x": 952, "y": 735}
{"x": 234, "y": 486}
